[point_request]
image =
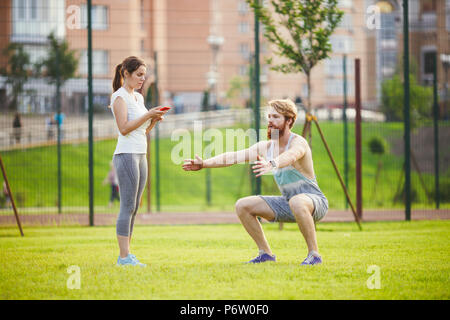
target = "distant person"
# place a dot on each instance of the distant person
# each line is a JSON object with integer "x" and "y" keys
{"x": 17, "y": 128}
{"x": 134, "y": 122}
{"x": 59, "y": 119}
{"x": 301, "y": 201}
{"x": 111, "y": 178}
{"x": 50, "y": 126}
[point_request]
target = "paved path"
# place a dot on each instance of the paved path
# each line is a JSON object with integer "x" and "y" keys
{"x": 172, "y": 218}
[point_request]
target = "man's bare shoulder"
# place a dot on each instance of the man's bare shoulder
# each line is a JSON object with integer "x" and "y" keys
{"x": 299, "y": 140}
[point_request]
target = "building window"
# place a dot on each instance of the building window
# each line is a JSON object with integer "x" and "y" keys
{"x": 99, "y": 17}
{"x": 243, "y": 27}
{"x": 29, "y": 10}
{"x": 33, "y": 10}
{"x": 335, "y": 66}
{"x": 335, "y": 87}
{"x": 142, "y": 46}
{"x": 447, "y": 14}
{"x": 428, "y": 62}
{"x": 100, "y": 63}
{"x": 345, "y": 4}
{"x": 21, "y": 9}
{"x": 243, "y": 70}
{"x": 346, "y": 22}
{"x": 341, "y": 44}
{"x": 244, "y": 50}
{"x": 243, "y": 8}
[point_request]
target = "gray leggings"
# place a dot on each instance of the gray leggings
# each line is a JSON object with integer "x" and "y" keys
{"x": 131, "y": 171}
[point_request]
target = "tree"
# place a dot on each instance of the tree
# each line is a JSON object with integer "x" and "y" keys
{"x": 17, "y": 72}
{"x": 421, "y": 97}
{"x": 392, "y": 100}
{"x": 300, "y": 32}
{"x": 237, "y": 86}
{"x": 60, "y": 64}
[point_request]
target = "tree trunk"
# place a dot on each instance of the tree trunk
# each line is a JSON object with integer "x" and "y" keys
{"x": 308, "y": 100}
{"x": 308, "y": 106}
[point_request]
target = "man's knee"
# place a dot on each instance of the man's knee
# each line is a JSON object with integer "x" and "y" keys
{"x": 301, "y": 206}
{"x": 243, "y": 206}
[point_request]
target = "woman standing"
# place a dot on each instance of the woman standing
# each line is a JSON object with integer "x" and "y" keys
{"x": 133, "y": 121}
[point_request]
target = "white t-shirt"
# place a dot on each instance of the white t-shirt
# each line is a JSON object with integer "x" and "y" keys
{"x": 135, "y": 141}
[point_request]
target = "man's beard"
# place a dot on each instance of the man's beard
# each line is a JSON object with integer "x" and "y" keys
{"x": 280, "y": 131}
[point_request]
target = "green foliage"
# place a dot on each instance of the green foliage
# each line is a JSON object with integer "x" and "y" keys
{"x": 205, "y": 100}
{"x": 237, "y": 84}
{"x": 310, "y": 25}
{"x": 60, "y": 64}
{"x": 377, "y": 145}
{"x": 17, "y": 72}
{"x": 300, "y": 32}
{"x": 421, "y": 100}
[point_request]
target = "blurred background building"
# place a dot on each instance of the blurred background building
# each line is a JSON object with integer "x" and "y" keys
{"x": 178, "y": 31}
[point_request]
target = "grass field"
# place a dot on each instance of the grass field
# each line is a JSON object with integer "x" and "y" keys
{"x": 205, "y": 262}
{"x": 33, "y": 175}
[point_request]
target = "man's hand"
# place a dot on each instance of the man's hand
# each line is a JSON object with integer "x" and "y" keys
{"x": 262, "y": 166}
{"x": 193, "y": 164}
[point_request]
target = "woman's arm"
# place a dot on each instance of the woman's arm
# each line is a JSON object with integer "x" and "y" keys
{"x": 126, "y": 126}
{"x": 152, "y": 124}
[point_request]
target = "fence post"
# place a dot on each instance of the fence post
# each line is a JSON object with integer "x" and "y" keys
{"x": 406, "y": 109}
{"x": 358, "y": 138}
{"x": 158, "y": 194}
{"x": 344, "y": 116}
{"x": 436, "y": 134}
{"x": 91, "y": 115}
{"x": 257, "y": 91}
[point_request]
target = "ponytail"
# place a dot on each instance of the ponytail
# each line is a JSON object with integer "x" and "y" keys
{"x": 118, "y": 78}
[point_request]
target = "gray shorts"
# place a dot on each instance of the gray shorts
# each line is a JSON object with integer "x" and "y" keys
{"x": 282, "y": 210}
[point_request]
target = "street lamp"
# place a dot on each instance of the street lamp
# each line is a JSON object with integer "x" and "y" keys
{"x": 212, "y": 76}
{"x": 215, "y": 43}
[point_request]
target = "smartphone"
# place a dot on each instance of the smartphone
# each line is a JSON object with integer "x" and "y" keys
{"x": 164, "y": 108}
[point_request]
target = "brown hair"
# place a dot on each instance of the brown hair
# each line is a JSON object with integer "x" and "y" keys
{"x": 286, "y": 107}
{"x": 130, "y": 64}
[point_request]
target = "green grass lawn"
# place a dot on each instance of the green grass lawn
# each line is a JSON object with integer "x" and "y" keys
{"x": 33, "y": 175}
{"x": 205, "y": 262}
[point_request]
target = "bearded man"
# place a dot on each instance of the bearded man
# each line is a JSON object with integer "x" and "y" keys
{"x": 301, "y": 199}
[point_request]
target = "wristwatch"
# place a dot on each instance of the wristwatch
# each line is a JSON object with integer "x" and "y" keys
{"x": 272, "y": 162}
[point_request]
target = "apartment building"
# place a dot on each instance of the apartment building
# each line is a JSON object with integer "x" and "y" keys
{"x": 208, "y": 45}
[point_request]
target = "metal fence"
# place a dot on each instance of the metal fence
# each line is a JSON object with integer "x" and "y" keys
{"x": 48, "y": 169}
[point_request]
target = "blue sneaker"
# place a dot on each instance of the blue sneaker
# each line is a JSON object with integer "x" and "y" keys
{"x": 311, "y": 260}
{"x": 132, "y": 256}
{"x": 129, "y": 261}
{"x": 263, "y": 258}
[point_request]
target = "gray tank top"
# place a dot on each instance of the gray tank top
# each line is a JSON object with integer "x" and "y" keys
{"x": 290, "y": 181}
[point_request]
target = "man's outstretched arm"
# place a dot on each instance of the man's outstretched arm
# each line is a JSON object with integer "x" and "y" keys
{"x": 226, "y": 159}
